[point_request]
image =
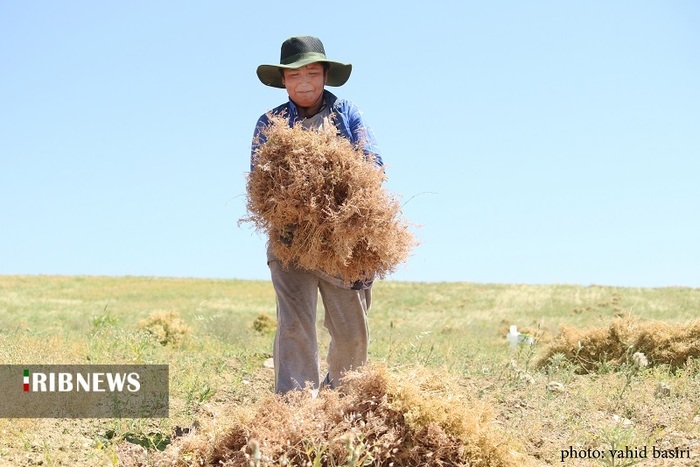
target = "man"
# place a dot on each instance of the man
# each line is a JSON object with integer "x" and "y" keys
{"x": 304, "y": 71}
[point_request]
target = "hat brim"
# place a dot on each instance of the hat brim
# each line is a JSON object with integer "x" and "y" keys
{"x": 338, "y": 73}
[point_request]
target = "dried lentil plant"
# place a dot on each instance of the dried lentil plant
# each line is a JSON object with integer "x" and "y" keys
{"x": 321, "y": 201}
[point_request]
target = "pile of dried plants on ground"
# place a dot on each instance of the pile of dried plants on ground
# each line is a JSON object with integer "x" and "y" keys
{"x": 321, "y": 202}
{"x": 662, "y": 343}
{"x": 375, "y": 418}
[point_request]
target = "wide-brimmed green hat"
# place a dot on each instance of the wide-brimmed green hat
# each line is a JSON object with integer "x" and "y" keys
{"x": 298, "y": 52}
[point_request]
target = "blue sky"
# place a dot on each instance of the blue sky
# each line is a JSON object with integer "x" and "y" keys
{"x": 532, "y": 142}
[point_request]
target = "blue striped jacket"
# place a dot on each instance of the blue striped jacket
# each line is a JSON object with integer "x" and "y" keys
{"x": 346, "y": 116}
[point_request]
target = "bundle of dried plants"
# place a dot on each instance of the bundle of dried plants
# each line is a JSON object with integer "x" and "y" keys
{"x": 321, "y": 201}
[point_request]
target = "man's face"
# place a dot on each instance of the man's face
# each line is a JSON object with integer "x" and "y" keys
{"x": 305, "y": 85}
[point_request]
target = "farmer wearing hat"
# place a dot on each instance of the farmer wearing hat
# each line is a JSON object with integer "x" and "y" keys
{"x": 304, "y": 71}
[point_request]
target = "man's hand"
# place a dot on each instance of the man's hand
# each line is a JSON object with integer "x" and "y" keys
{"x": 363, "y": 284}
{"x": 287, "y": 235}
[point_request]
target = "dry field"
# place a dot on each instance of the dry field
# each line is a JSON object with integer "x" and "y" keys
{"x": 600, "y": 375}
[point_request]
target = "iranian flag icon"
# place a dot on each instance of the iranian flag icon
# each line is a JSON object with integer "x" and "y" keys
{"x": 26, "y": 380}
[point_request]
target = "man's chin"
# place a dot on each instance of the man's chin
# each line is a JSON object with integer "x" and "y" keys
{"x": 306, "y": 103}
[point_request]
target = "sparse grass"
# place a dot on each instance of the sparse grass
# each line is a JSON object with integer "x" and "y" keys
{"x": 218, "y": 381}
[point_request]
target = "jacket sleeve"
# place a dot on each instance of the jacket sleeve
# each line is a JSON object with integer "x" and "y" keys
{"x": 258, "y": 138}
{"x": 361, "y": 134}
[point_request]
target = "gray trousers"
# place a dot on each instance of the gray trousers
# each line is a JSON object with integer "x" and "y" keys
{"x": 296, "y": 347}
